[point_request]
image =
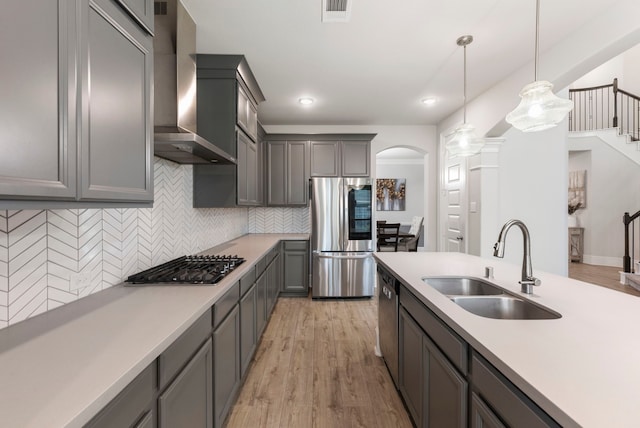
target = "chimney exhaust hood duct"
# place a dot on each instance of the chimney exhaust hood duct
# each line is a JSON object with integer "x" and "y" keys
{"x": 175, "y": 116}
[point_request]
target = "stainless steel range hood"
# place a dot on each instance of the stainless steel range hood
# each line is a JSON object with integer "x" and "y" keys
{"x": 175, "y": 95}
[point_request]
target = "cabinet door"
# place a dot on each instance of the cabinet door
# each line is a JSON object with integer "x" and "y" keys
{"x": 252, "y": 173}
{"x": 277, "y": 173}
{"x": 298, "y": 176}
{"x": 445, "y": 391}
{"x": 187, "y": 402}
{"x": 242, "y": 117}
{"x": 38, "y": 100}
{"x": 325, "y": 157}
{"x": 410, "y": 376}
{"x": 261, "y": 302}
{"x": 248, "y": 338}
{"x": 116, "y": 130}
{"x": 296, "y": 268}
{"x": 481, "y": 414}
{"x": 142, "y": 10}
{"x": 242, "y": 169}
{"x": 226, "y": 365}
{"x": 273, "y": 287}
{"x": 356, "y": 158}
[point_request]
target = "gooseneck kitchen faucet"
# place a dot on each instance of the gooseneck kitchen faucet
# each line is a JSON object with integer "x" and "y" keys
{"x": 528, "y": 281}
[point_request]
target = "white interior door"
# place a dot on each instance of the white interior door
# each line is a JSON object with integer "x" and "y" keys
{"x": 454, "y": 202}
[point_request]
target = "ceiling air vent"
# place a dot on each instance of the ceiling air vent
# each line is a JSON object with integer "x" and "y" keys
{"x": 336, "y": 10}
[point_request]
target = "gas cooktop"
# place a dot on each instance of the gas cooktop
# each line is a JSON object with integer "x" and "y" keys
{"x": 188, "y": 270}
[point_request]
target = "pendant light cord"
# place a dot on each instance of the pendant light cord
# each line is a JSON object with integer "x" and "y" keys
{"x": 535, "y": 68}
{"x": 464, "y": 98}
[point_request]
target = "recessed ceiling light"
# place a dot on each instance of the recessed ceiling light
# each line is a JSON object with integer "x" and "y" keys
{"x": 305, "y": 101}
{"x": 429, "y": 101}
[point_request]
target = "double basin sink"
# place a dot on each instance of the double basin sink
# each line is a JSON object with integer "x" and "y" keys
{"x": 488, "y": 300}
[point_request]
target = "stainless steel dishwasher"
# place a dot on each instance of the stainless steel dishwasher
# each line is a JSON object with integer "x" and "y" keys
{"x": 388, "y": 320}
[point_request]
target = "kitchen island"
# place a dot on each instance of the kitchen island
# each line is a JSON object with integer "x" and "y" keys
{"x": 60, "y": 368}
{"x": 581, "y": 369}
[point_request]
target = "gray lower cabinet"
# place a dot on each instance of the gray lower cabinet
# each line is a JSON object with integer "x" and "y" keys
{"x": 411, "y": 374}
{"x": 226, "y": 365}
{"x": 261, "y": 302}
{"x": 445, "y": 383}
{"x": 273, "y": 283}
{"x": 188, "y": 400}
{"x": 287, "y": 173}
{"x": 433, "y": 388}
{"x": 248, "y": 336}
{"x": 134, "y": 406}
{"x": 482, "y": 416}
{"x": 507, "y": 402}
{"x": 90, "y": 112}
{"x": 295, "y": 268}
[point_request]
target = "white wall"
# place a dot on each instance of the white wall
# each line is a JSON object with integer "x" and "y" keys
{"x": 533, "y": 183}
{"x": 612, "y": 189}
{"x": 422, "y": 138}
{"x": 626, "y": 67}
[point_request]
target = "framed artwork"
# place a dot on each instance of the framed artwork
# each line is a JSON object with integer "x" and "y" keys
{"x": 390, "y": 194}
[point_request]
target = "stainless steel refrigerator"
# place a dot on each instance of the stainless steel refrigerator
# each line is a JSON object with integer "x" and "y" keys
{"x": 342, "y": 237}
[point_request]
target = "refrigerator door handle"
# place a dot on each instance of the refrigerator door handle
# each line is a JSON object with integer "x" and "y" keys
{"x": 354, "y": 256}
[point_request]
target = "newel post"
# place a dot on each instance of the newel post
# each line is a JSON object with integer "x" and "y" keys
{"x": 615, "y": 102}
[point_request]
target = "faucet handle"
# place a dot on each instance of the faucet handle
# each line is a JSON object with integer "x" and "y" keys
{"x": 527, "y": 285}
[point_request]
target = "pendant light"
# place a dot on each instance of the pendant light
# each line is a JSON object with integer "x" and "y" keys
{"x": 463, "y": 141}
{"x": 539, "y": 108}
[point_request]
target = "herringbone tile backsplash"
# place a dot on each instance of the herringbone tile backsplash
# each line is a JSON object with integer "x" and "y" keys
{"x": 47, "y": 255}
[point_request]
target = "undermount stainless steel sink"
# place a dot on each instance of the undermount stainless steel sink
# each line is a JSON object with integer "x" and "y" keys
{"x": 504, "y": 308}
{"x": 488, "y": 300}
{"x": 462, "y": 286}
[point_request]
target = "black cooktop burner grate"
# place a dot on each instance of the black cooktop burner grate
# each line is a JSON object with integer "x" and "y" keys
{"x": 189, "y": 270}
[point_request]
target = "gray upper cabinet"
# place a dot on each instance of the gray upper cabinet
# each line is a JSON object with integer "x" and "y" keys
{"x": 287, "y": 173}
{"x": 141, "y": 10}
{"x": 117, "y": 126}
{"x": 356, "y": 158}
{"x": 325, "y": 158}
{"x": 228, "y": 96}
{"x": 76, "y": 107}
{"x": 348, "y": 158}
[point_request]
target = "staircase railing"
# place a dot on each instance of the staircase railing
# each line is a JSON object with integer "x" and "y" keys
{"x": 605, "y": 106}
{"x": 629, "y": 239}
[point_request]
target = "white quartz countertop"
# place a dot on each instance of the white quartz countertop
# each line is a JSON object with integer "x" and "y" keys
{"x": 61, "y": 368}
{"x": 582, "y": 369}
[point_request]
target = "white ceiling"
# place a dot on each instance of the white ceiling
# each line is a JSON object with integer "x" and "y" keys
{"x": 376, "y": 68}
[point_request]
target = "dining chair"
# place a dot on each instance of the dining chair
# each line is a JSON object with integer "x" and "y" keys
{"x": 411, "y": 243}
{"x": 388, "y": 237}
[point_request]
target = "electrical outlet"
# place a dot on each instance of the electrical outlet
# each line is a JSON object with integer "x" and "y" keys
{"x": 79, "y": 280}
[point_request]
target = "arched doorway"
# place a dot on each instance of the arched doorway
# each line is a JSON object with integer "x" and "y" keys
{"x": 410, "y": 165}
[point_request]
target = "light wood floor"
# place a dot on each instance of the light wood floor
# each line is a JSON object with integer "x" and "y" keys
{"x": 605, "y": 276}
{"x": 316, "y": 367}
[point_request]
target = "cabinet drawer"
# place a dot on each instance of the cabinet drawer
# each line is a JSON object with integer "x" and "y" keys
{"x": 452, "y": 345}
{"x": 509, "y": 403}
{"x": 295, "y": 245}
{"x": 247, "y": 280}
{"x": 176, "y": 356}
{"x": 272, "y": 255}
{"x": 226, "y": 303}
{"x": 131, "y": 404}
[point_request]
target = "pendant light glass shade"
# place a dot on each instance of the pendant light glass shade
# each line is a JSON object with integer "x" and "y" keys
{"x": 539, "y": 108}
{"x": 463, "y": 141}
